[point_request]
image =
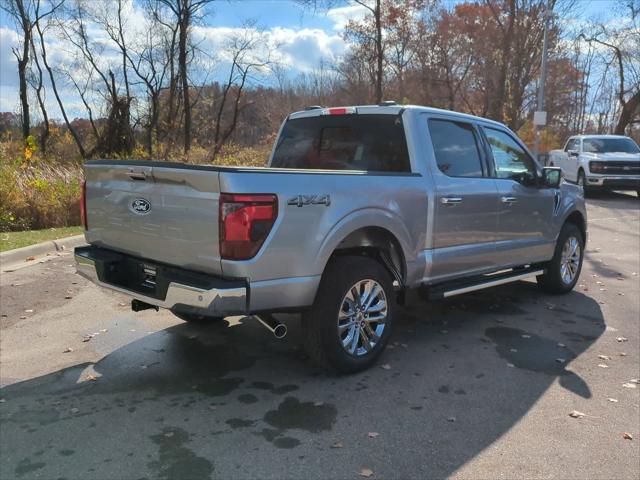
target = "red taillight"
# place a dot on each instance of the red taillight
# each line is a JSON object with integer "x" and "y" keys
{"x": 245, "y": 222}
{"x": 83, "y": 206}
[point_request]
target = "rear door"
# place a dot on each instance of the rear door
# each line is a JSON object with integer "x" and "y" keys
{"x": 156, "y": 211}
{"x": 466, "y": 201}
{"x": 525, "y": 230}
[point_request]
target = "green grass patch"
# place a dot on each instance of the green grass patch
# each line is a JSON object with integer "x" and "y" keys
{"x": 11, "y": 240}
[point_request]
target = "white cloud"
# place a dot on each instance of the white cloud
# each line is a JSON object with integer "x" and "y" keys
{"x": 340, "y": 16}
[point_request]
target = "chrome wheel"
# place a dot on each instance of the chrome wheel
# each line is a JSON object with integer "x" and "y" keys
{"x": 362, "y": 317}
{"x": 570, "y": 260}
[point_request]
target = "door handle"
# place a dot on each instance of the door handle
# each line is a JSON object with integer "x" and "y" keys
{"x": 133, "y": 175}
{"x": 508, "y": 200}
{"x": 451, "y": 201}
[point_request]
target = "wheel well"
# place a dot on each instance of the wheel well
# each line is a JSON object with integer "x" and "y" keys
{"x": 379, "y": 244}
{"x": 578, "y": 220}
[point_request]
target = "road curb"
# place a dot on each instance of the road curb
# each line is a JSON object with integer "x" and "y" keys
{"x": 20, "y": 255}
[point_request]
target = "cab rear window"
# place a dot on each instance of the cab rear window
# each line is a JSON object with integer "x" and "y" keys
{"x": 373, "y": 143}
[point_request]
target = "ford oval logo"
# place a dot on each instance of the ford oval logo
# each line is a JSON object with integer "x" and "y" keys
{"x": 140, "y": 206}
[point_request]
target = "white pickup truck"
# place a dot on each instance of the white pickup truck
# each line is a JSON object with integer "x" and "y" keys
{"x": 609, "y": 162}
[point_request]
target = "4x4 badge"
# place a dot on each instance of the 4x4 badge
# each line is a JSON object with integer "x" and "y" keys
{"x": 302, "y": 200}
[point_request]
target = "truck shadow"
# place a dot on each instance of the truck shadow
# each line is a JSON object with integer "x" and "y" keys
{"x": 192, "y": 402}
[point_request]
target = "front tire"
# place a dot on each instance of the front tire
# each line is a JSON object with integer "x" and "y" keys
{"x": 351, "y": 321}
{"x": 564, "y": 268}
{"x": 582, "y": 181}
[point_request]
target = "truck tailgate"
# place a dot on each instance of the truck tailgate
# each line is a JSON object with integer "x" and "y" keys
{"x": 154, "y": 210}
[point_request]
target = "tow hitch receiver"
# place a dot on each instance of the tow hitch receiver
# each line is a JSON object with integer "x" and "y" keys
{"x": 138, "y": 306}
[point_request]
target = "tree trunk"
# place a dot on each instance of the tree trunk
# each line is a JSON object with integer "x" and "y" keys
{"x": 379, "y": 52}
{"x": 23, "y": 62}
{"x": 630, "y": 110}
{"x": 184, "y": 79}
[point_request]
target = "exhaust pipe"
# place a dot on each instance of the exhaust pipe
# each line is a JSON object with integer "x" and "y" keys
{"x": 276, "y": 327}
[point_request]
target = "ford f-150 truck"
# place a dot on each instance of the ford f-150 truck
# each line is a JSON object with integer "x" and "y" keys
{"x": 357, "y": 205}
{"x": 609, "y": 162}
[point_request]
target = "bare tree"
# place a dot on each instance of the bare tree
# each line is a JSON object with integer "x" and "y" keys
{"x": 22, "y": 11}
{"x": 244, "y": 62}
{"x": 185, "y": 13}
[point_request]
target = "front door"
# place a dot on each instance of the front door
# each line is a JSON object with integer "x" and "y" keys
{"x": 525, "y": 232}
{"x": 466, "y": 202}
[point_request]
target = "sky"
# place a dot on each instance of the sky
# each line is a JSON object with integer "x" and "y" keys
{"x": 305, "y": 38}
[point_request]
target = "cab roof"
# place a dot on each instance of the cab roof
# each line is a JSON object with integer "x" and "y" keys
{"x": 387, "y": 109}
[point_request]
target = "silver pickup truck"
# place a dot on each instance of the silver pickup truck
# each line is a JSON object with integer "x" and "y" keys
{"x": 357, "y": 205}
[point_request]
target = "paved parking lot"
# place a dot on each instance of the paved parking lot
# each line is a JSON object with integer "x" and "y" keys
{"x": 479, "y": 386}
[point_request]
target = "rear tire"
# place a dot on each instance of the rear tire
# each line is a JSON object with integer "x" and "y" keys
{"x": 196, "y": 318}
{"x": 564, "y": 268}
{"x": 337, "y": 322}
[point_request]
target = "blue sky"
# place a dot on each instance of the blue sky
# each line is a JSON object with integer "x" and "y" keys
{"x": 305, "y": 37}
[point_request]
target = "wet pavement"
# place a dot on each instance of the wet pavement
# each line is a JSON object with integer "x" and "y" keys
{"x": 478, "y": 386}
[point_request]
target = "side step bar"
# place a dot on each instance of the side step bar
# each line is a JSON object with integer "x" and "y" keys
{"x": 451, "y": 289}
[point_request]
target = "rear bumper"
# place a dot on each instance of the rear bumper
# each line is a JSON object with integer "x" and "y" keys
{"x": 173, "y": 288}
{"x": 621, "y": 182}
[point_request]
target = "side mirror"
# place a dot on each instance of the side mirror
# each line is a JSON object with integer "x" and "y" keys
{"x": 551, "y": 177}
{"x": 573, "y": 153}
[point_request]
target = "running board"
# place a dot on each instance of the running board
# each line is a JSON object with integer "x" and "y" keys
{"x": 458, "y": 288}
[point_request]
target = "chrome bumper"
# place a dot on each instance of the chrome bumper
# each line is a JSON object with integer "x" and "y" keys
{"x": 216, "y": 301}
{"x": 630, "y": 181}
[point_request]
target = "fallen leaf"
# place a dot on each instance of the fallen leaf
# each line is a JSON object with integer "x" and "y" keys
{"x": 577, "y": 414}
{"x": 318, "y": 404}
{"x": 92, "y": 378}
{"x": 602, "y": 365}
{"x": 629, "y": 385}
{"x": 627, "y": 436}
{"x": 635, "y": 380}
{"x": 68, "y": 297}
{"x": 86, "y": 338}
{"x": 74, "y": 410}
{"x": 621, "y": 339}
{"x": 510, "y": 365}
{"x": 604, "y": 357}
{"x": 560, "y": 360}
{"x": 28, "y": 310}
{"x": 622, "y": 354}
{"x": 168, "y": 434}
{"x": 386, "y": 366}
{"x": 525, "y": 336}
{"x": 562, "y": 345}
{"x": 612, "y": 400}
{"x": 373, "y": 434}
{"x": 30, "y": 258}
{"x": 22, "y": 317}
{"x": 365, "y": 472}
{"x": 337, "y": 445}
{"x": 451, "y": 419}
{"x": 68, "y": 350}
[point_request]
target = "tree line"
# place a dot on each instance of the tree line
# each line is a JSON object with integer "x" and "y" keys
{"x": 152, "y": 93}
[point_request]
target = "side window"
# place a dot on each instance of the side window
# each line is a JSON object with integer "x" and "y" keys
{"x": 571, "y": 145}
{"x": 456, "y": 148}
{"x": 510, "y": 158}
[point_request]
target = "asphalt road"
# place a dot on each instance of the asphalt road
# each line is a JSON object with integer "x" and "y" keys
{"x": 479, "y": 386}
